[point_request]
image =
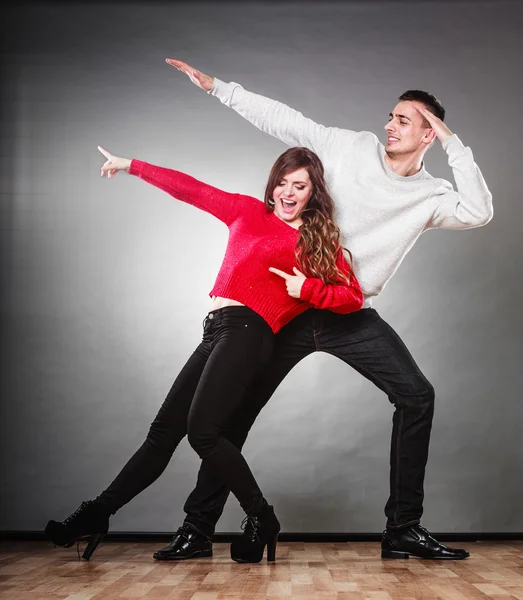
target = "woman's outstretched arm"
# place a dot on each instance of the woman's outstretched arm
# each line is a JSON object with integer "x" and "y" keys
{"x": 223, "y": 205}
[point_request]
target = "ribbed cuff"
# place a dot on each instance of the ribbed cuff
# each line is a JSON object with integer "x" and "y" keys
{"x": 136, "y": 167}
{"x": 307, "y": 289}
{"x": 453, "y": 144}
{"x": 218, "y": 89}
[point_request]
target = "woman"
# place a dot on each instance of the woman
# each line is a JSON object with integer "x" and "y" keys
{"x": 250, "y": 303}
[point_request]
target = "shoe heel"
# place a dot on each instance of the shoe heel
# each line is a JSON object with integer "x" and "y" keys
{"x": 92, "y": 545}
{"x": 394, "y": 554}
{"x": 271, "y": 549}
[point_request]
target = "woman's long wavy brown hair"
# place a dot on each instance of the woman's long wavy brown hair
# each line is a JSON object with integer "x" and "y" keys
{"x": 320, "y": 239}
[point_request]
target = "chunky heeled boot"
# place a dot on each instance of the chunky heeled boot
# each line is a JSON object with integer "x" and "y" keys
{"x": 258, "y": 531}
{"x": 90, "y": 522}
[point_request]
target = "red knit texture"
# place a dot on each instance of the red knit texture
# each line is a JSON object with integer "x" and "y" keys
{"x": 257, "y": 240}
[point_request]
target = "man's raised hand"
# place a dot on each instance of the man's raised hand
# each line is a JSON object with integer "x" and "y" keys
{"x": 197, "y": 77}
{"x": 294, "y": 282}
{"x": 440, "y": 129}
{"x": 113, "y": 164}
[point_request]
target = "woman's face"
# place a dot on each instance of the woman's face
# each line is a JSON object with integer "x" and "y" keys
{"x": 291, "y": 195}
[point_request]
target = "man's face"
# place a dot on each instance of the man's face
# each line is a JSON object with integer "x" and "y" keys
{"x": 407, "y": 131}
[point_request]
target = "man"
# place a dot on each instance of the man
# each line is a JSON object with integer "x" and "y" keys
{"x": 384, "y": 201}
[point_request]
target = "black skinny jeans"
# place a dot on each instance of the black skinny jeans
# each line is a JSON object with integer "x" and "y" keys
{"x": 367, "y": 343}
{"x": 237, "y": 344}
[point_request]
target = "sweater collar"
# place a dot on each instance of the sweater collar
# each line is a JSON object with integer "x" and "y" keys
{"x": 421, "y": 174}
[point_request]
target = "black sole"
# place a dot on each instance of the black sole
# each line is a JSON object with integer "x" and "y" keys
{"x": 202, "y": 554}
{"x": 394, "y": 554}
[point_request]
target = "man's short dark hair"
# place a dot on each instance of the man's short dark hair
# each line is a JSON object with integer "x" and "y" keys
{"x": 430, "y": 101}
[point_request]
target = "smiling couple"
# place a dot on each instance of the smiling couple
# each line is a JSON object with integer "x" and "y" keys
{"x": 300, "y": 292}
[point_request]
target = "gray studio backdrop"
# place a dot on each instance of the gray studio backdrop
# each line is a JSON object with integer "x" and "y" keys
{"x": 105, "y": 282}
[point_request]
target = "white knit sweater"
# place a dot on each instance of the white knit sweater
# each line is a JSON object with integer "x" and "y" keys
{"x": 380, "y": 214}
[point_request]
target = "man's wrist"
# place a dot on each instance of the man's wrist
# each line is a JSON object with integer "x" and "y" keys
{"x": 448, "y": 141}
{"x": 446, "y": 136}
{"x": 212, "y": 89}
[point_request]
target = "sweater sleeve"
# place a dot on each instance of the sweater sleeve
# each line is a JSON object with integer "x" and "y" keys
{"x": 223, "y": 205}
{"x": 339, "y": 298}
{"x": 281, "y": 121}
{"x": 470, "y": 205}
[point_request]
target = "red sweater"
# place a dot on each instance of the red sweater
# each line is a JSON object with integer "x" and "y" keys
{"x": 257, "y": 240}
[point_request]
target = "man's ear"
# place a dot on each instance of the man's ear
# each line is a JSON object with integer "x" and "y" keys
{"x": 429, "y": 137}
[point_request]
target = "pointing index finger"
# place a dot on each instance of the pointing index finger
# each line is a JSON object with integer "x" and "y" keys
{"x": 280, "y": 273}
{"x": 104, "y": 152}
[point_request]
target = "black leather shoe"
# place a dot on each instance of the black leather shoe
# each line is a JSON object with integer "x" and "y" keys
{"x": 90, "y": 522}
{"x": 416, "y": 541}
{"x": 258, "y": 532}
{"x": 187, "y": 542}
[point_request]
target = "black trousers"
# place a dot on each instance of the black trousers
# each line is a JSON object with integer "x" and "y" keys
{"x": 367, "y": 343}
{"x": 237, "y": 344}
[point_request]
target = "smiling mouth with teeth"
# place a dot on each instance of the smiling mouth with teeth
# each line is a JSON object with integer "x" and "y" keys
{"x": 288, "y": 203}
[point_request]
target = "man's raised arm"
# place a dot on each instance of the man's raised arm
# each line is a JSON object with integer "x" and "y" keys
{"x": 271, "y": 116}
{"x": 471, "y": 204}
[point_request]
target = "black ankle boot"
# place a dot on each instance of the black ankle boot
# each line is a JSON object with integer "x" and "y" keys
{"x": 90, "y": 521}
{"x": 258, "y": 531}
{"x": 188, "y": 542}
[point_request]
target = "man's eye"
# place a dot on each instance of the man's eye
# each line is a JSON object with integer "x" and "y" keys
{"x": 403, "y": 123}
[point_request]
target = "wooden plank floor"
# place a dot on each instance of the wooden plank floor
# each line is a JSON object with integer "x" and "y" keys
{"x": 337, "y": 571}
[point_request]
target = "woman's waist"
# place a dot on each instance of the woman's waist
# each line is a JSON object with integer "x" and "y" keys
{"x": 218, "y": 302}
{"x": 272, "y": 303}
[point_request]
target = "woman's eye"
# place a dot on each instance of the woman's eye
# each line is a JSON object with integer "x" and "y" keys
{"x": 300, "y": 188}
